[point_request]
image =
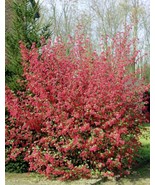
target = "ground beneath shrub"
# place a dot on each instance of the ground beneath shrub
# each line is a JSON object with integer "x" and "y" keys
{"x": 139, "y": 177}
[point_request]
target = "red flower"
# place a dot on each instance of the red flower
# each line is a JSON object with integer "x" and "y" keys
{"x": 93, "y": 148}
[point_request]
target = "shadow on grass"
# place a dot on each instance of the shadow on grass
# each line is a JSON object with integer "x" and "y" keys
{"x": 142, "y": 173}
{"x": 138, "y": 176}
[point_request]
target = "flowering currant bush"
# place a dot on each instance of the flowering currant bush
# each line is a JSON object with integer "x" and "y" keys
{"x": 80, "y": 111}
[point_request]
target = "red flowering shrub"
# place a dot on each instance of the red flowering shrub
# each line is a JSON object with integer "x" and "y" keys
{"x": 80, "y": 111}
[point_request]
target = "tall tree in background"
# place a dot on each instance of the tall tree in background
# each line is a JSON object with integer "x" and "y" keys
{"x": 100, "y": 18}
{"x": 24, "y": 24}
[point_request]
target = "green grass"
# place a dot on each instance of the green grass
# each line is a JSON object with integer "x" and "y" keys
{"x": 140, "y": 175}
{"x": 144, "y": 152}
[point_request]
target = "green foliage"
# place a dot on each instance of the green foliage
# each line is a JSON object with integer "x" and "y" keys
{"x": 144, "y": 151}
{"x": 26, "y": 27}
{"x": 18, "y": 166}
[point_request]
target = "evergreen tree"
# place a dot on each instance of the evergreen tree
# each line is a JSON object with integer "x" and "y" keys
{"x": 25, "y": 27}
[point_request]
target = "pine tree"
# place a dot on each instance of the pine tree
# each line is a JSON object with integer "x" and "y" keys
{"x": 25, "y": 27}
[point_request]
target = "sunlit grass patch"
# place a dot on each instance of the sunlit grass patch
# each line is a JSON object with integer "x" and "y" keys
{"x": 143, "y": 161}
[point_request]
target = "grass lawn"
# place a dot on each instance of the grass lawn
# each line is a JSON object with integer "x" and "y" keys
{"x": 140, "y": 175}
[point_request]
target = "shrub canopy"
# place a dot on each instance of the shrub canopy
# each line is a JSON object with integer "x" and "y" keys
{"x": 81, "y": 111}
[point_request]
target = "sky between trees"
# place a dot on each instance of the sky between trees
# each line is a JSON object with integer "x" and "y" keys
{"x": 99, "y": 18}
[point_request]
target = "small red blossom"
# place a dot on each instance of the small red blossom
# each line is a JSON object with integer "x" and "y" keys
{"x": 93, "y": 148}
